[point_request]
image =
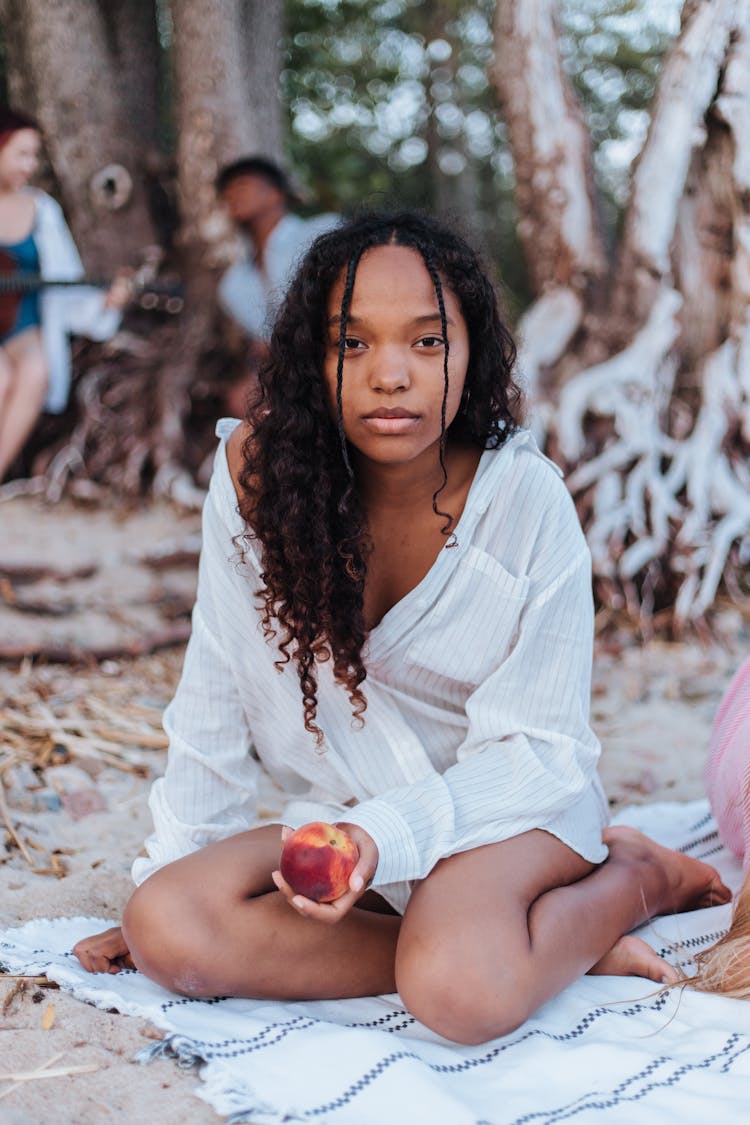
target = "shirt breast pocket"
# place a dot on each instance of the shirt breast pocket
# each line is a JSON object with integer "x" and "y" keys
{"x": 474, "y": 623}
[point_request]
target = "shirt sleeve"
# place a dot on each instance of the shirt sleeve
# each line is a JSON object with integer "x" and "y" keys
{"x": 529, "y": 753}
{"x": 87, "y": 315}
{"x": 209, "y": 790}
{"x": 242, "y": 296}
{"x": 83, "y": 307}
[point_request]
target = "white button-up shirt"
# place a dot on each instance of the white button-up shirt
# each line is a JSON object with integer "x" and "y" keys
{"x": 478, "y": 683}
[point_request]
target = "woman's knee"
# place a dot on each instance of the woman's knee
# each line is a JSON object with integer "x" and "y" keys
{"x": 460, "y": 1000}
{"x": 166, "y": 938}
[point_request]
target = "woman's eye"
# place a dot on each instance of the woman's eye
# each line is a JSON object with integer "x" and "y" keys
{"x": 352, "y": 344}
{"x": 430, "y": 342}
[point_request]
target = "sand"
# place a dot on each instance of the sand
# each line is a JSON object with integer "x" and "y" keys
{"x": 652, "y": 709}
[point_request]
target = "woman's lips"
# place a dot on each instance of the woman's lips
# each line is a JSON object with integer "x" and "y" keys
{"x": 390, "y": 421}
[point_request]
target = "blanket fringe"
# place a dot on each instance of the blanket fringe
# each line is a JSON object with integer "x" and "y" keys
{"x": 237, "y": 1103}
{"x": 177, "y": 1047}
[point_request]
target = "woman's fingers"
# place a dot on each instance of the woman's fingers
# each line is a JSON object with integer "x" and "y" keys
{"x": 120, "y": 291}
{"x": 282, "y": 885}
{"x": 329, "y": 912}
{"x": 104, "y": 953}
{"x": 363, "y": 873}
{"x": 359, "y": 880}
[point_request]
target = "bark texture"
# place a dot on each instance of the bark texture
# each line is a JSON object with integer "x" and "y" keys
{"x": 678, "y": 128}
{"x": 648, "y": 397}
{"x": 262, "y": 26}
{"x": 131, "y": 34}
{"x": 558, "y": 219}
{"x": 60, "y": 56}
{"x": 551, "y": 146}
{"x": 226, "y": 103}
{"x": 217, "y": 120}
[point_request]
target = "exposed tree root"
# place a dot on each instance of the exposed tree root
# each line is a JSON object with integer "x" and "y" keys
{"x": 178, "y": 633}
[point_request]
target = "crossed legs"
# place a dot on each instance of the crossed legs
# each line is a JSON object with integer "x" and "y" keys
{"x": 488, "y": 937}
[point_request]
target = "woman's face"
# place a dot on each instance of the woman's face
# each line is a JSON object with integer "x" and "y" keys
{"x": 393, "y": 376}
{"x": 19, "y": 159}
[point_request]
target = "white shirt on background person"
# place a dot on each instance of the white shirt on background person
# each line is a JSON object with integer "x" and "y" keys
{"x": 251, "y": 295}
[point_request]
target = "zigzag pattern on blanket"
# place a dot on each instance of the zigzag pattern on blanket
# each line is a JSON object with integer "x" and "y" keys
{"x": 606, "y": 1045}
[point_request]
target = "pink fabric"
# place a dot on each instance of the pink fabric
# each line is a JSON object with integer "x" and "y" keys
{"x": 727, "y": 772}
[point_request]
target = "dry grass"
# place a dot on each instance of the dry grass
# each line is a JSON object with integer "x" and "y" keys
{"x": 109, "y": 715}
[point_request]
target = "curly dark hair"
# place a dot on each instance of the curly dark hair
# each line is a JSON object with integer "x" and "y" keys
{"x": 298, "y": 491}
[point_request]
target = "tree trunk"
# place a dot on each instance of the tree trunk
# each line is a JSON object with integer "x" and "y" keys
{"x": 63, "y": 52}
{"x": 216, "y": 120}
{"x": 133, "y": 42}
{"x": 18, "y": 77}
{"x": 686, "y": 90}
{"x": 558, "y": 224}
{"x": 262, "y": 24}
{"x": 216, "y": 123}
{"x": 657, "y": 432}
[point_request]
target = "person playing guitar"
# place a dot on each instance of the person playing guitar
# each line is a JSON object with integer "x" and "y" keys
{"x": 35, "y": 361}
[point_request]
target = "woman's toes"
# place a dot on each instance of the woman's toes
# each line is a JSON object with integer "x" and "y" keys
{"x": 633, "y": 957}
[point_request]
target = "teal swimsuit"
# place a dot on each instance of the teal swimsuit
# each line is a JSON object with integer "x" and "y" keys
{"x": 26, "y": 258}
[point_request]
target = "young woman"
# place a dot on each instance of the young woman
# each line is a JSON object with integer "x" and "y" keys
{"x": 34, "y": 239}
{"x": 395, "y": 606}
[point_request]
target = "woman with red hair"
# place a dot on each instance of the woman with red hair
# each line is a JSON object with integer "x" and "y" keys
{"x": 35, "y": 358}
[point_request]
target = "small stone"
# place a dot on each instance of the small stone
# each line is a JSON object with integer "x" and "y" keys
{"x": 83, "y": 802}
{"x": 644, "y": 783}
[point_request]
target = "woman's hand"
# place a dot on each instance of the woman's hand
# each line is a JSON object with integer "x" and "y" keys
{"x": 104, "y": 953}
{"x": 120, "y": 291}
{"x": 359, "y": 879}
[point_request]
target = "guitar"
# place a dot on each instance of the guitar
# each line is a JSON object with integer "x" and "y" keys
{"x": 153, "y": 295}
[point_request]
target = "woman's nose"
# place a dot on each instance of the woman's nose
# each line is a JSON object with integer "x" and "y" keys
{"x": 390, "y": 370}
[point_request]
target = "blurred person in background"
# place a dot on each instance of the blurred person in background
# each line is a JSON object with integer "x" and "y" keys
{"x": 35, "y": 359}
{"x": 258, "y": 198}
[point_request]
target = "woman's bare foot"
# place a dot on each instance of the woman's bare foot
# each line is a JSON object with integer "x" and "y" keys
{"x": 670, "y": 881}
{"x": 632, "y": 957}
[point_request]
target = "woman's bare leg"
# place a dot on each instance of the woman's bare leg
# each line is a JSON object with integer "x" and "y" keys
{"x": 213, "y": 924}
{"x": 24, "y": 397}
{"x": 494, "y": 933}
{"x": 488, "y": 937}
{"x": 630, "y": 955}
{"x": 5, "y": 380}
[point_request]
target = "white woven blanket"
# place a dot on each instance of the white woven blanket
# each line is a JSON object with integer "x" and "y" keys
{"x": 606, "y": 1049}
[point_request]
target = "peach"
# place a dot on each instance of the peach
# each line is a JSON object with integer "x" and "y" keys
{"x": 317, "y": 860}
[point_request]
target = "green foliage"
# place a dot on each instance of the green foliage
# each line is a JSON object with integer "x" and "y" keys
{"x": 390, "y": 100}
{"x": 391, "y": 103}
